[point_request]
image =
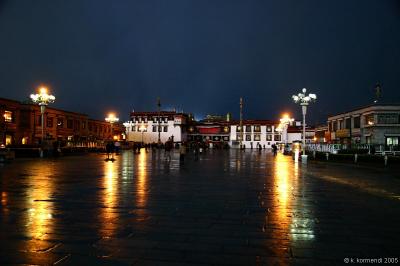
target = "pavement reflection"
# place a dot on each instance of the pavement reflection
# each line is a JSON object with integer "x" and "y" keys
{"x": 38, "y": 218}
{"x": 109, "y": 198}
{"x": 228, "y": 207}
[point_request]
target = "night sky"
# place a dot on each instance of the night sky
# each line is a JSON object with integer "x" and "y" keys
{"x": 201, "y": 56}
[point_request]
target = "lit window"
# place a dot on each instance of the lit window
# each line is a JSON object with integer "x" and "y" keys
{"x": 60, "y": 122}
{"x": 369, "y": 120}
{"x": 8, "y": 140}
{"x": 257, "y": 137}
{"x": 257, "y": 129}
{"x": 24, "y": 141}
{"x": 392, "y": 141}
{"x": 269, "y": 137}
{"x": 8, "y": 116}
{"x": 277, "y": 137}
{"x": 269, "y": 128}
{"x": 248, "y": 129}
{"x": 248, "y": 137}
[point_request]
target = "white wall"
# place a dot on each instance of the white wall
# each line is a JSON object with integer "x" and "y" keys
{"x": 263, "y": 137}
{"x": 149, "y": 136}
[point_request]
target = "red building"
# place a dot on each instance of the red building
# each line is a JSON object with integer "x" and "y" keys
{"x": 21, "y": 124}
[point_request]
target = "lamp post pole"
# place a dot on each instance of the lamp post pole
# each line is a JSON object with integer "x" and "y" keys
{"x": 42, "y": 110}
{"x": 159, "y": 120}
{"x": 142, "y": 129}
{"x": 285, "y": 121}
{"x": 112, "y": 119}
{"x": 304, "y": 100}
{"x": 241, "y": 122}
{"x": 304, "y": 110}
{"x": 42, "y": 99}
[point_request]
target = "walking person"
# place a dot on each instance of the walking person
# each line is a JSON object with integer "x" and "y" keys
{"x": 196, "y": 151}
{"x": 274, "y": 149}
{"x": 168, "y": 148}
{"x": 182, "y": 153}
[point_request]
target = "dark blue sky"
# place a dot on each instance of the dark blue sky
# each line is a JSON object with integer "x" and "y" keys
{"x": 201, "y": 56}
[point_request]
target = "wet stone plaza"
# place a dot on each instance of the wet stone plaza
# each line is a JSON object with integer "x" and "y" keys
{"x": 227, "y": 208}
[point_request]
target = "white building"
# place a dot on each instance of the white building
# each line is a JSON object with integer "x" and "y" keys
{"x": 149, "y": 127}
{"x": 255, "y": 133}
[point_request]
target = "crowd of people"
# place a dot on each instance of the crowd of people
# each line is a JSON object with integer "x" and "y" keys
{"x": 196, "y": 147}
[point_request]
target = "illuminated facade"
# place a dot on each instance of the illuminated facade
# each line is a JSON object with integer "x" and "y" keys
{"x": 20, "y": 124}
{"x": 214, "y": 130}
{"x": 148, "y": 127}
{"x": 374, "y": 124}
{"x": 255, "y": 133}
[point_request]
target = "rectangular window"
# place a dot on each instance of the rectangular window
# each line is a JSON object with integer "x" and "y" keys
{"x": 133, "y": 129}
{"x": 277, "y": 137}
{"x": 238, "y": 129}
{"x": 8, "y": 116}
{"x": 257, "y": 129}
{"x": 60, "y": 122}
{"x": 257, "y": 137}
{"x": 248, "y": 137}
{"x": 238, "y": 137}
{"x": 165, "y": 128}
{"x": 49, "y": 122}
{"x": 369, "y": 120}
{"x": 392, "y": 141}
{"x": 155, "y": 119}
{"x": 356, "y": 121}
{"x": 269, "y": 129}
{"x": 340, "y": 124}
{"x": 348, "y": 123}
{"x": 334, "y": 127}
{"x": 70, "y": 123}
{"x": 83, "y": 125}
{"x": 248, "y": 129}
{"x": 154, "y": 129}
{"x": 269, "y": 137}
{"x": 166, "y": 119}
{"x": 388, "y": 119}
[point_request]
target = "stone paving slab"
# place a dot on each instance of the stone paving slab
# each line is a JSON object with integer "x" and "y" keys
{"x": 228, "y": 208}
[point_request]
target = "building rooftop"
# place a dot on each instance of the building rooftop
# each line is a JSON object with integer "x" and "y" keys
{"x": 365, "y": 107}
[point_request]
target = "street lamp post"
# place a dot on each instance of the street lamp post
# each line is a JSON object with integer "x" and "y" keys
{"x": 159, "y": 120}
{"x": 304, "y": 100}
{"x": 42, "y": 99}
{"x": 285, "y": 121}
{"x": 111, "y": 118}
{"x": 142, "y": 129}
